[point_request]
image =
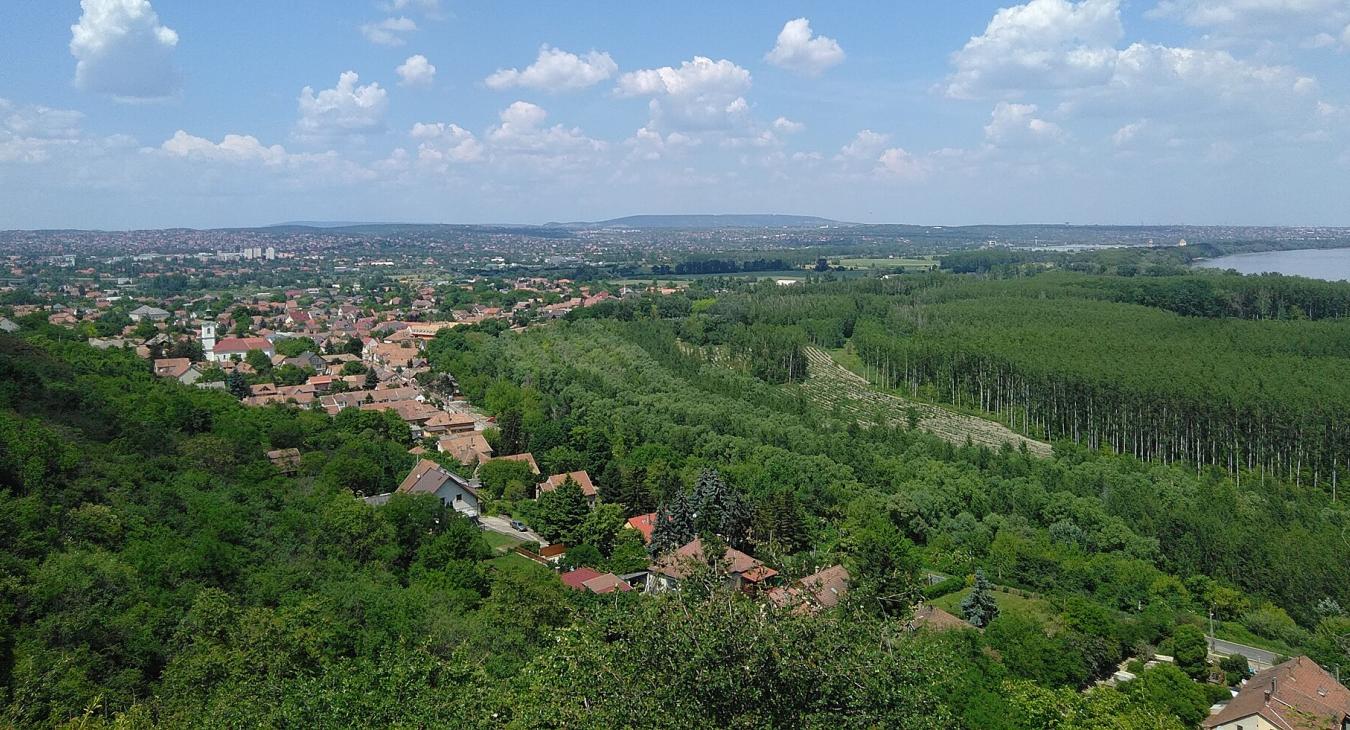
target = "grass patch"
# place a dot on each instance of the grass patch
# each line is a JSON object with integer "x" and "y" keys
{"x": 1035, "y": 608}
{"x": 499, "y": 541}
{"x": 847, "y": 359}
{"x": 513, "y": 559}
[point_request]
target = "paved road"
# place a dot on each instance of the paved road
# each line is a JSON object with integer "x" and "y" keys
{"x": 1260, "y": 658}
{"x": 503, "y": 525}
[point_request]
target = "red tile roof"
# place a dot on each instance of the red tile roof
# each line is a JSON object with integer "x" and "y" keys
{"x": 590, "y": 579}
{"x": 676, "y": 564}
{"x": 243, "y": 344}
{"x": 526, "y": 457}
{"x": 172, "y": 367}
{"x": 643, "y": 524}
{"x": 607, "y": 583}
{"x": 554, "y": 550}
{"x": 465, "y": 447}
{"x": 827, "y": 586}
{"x": 582, "y": 479}
{"x": 1295, "y": 695}
{"x": 578, "y": 577}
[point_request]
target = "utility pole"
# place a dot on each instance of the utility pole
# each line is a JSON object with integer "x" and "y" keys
{"x": 1212, "y": 640}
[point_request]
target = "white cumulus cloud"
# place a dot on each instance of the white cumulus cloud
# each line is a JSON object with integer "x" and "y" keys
{"x": 232, "y": 148}
{"x": 700, "y": 76}
{"x": 29, "y": 132}
{"x": 557, "y": 70}
{"x": 1261, "y": 19}
{"x": 1017, "y": 124}
{"x": 426, "y": 6}
{"x": 348, "y": 108}
{"x": 898, "y": 163}
{"x": 416, "y": 71}
{"x": 389, "y": 32}
{"x": 1042, "y": 44}
{"x": 1070, "y": 52}
{"x": 799, "y": 50}
{"x": 522, "y": 136}
{"x": 441, "y": 143}
{"x": 700, "y": 95}
{"x": 122, "y": 49}
{"x": 866, "y": 145}
{"x": 787, "y": 126}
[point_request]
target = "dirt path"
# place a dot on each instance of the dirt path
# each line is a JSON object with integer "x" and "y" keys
{"x": 838, "y": 388}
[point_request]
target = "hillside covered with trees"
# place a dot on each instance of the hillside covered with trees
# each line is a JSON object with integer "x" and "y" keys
{"x": 159, "y": 571}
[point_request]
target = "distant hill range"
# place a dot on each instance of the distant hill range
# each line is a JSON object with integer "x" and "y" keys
{"x": 674, "y": 222}
{"x": 687, "y": 222}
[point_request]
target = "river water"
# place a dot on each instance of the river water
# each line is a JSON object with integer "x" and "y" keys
{"x": 1330, "y": 264}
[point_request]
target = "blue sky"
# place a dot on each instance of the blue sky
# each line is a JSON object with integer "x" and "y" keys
{"x": 136, "y": 113}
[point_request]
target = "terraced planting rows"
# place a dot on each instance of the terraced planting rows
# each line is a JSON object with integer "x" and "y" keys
{"x": 846, "y": 393}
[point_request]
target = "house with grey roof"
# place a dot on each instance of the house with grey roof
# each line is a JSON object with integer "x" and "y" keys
{"x": 145, "y": 311}
{"x": 428, "y": 477}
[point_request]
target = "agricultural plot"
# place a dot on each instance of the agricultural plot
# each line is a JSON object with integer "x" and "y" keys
{"x": 846, "y": 393}
{"x": 918, "y": 264}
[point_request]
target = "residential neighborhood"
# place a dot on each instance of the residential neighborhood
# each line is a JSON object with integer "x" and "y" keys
{"x": 504, "y": 404}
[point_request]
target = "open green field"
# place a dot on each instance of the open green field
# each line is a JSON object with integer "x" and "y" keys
{"x": 1035, "y": 608}
{"x": 889, "y": 263}
{"x": 500, "y": 542}
{"x": 514, "y": 559}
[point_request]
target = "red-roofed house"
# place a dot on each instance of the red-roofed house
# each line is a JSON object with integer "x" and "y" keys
{"x": 443, "y": 423}
{"x": 742, "y": 571}
{"x": 553, "y": 553}
{"x": 589, "y": 579}
{"x": 239, "y": 347}
{"x": 820, "y": 590}
{"x": 466, "y": 448}
{"x": 1295, "y": 695}
{"x": 643, "y": 524}
{"x": 576, "y": 578}
{"x": 582, "y": 479}
{"x": 526, "y": 457}
{"x": 178, "y": 368}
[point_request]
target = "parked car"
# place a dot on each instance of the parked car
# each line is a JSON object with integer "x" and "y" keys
{"x": 519, "y": 526}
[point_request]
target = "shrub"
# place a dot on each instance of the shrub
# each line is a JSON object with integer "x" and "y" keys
{"x": 945, "y": 587}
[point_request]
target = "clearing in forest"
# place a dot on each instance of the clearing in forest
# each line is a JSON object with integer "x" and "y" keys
{"x": 848, "y": 394}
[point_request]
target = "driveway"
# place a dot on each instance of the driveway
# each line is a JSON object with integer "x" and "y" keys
{"x": 1259, "y": 658}
{"x": 503, "y": 525}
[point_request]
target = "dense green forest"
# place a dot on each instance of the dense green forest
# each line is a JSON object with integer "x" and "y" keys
{"x": 158, "y": 571}
{"x": 1149, "y": 366}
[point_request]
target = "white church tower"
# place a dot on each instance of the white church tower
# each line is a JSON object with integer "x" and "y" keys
{"x": 209, "y": 341}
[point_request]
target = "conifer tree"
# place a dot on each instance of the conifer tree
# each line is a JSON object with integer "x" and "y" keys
{"x": 720, "y": 510}
{"x": 979, "y": 607}
{"x": 237, "y": 385}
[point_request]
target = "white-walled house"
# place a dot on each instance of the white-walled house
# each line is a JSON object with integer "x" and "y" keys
{"x": 428, "y": 477}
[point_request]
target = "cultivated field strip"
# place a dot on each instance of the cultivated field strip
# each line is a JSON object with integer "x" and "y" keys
{"x": 848, "y": 394}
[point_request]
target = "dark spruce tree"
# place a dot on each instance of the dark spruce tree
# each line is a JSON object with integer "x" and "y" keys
{"x": 673, "y": 526}
{"x": 979, "y": 607}
{"x": 720, "y": 510}
{"x": 237, "y": 385}
{"x": 780, "y": 520}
